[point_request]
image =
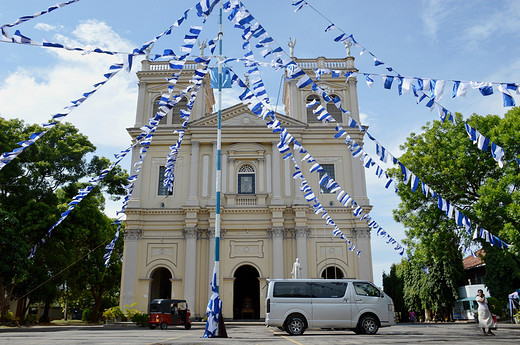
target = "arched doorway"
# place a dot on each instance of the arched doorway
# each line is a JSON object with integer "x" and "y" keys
{"x": 161, "y": 284}
{"x": 246, "y": 293}
{"x": 332, "y": 272}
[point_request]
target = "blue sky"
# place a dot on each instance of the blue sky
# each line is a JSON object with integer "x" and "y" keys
{"x": 447, "y": 40}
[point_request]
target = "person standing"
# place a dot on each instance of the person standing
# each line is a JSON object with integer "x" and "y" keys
{"x": 485, "y": 319}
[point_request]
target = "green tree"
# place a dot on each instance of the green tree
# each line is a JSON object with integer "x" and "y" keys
{"x": 34, "y": 190}
{"x": 393, "y": 285}
{"x": 445, "y": 159}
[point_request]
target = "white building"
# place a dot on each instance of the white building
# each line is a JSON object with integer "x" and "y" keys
{"x": 265, "y": 220}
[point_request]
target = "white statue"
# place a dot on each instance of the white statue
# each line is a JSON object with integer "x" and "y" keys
{"x": 148, "y": 50}
{"x": 348, "y": 44}
{"x": 202, "y": 46}
{"x": 291, "y": 45}
{"x": 296, "y": 272}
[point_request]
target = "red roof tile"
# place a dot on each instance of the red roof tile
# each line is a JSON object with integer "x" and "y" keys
{"x": 471, "y": 261}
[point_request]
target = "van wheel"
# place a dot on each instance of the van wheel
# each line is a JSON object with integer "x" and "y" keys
{"x": 368, "y": 325}
{"x": 295, "y": 325}
{"x": 164, "y": 325}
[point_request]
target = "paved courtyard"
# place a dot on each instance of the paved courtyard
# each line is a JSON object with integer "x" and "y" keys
{"x": 448, "y": 333}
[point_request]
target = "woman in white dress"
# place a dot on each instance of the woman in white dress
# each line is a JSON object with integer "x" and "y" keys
{"x": 485, "y": 319}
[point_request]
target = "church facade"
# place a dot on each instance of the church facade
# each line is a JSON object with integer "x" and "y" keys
{"x": 266, "y": 223}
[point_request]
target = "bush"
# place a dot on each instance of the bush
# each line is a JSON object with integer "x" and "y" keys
{"x": 88, "y": 315}
{"x": 31, "y": 318}
{"x": 8, "y": 316}
{"x": 140, "y": 319}
{"x": 114, "y": 313}
{"x": 494, "y": 306}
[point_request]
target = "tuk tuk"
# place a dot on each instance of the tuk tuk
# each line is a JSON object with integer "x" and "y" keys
{"x": 164, "y": 312}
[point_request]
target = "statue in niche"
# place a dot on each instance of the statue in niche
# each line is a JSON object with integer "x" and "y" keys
{"x": 291, "y": 45}
{"x": 296, "y": 272}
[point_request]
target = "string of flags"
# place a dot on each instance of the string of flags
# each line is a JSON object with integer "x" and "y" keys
{"x": 459, "y": 87}
{"x": 7, "y": 157}
{"x": 23, "y": 19}
{"x": 435, "y": 87}
{"x": 166, "y": 103}
{"x": 82, "y": 193}
{"x": 244, "y": 20}
{"x": 144, "y": 140}
{"x": 293, "y": 72}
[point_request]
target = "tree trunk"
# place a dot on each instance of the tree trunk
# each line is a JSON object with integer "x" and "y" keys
{"x": 45, "y": 317}
{"x": 97, "y": 302}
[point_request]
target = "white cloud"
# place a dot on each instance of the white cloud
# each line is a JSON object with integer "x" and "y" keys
{"x": 36, "y": 93}
{"x": 432, "y": 16}
{"x": 47, "y": 27}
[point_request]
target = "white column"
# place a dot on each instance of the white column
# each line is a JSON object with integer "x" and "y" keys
{"x": 211, "y": 237}
{"x": 276, "y": 176}
{"x": 231, "y": 172}
{"x": 301, "y": 248}
{"x": 287, "y": 177}
{"x": 190, "y": 235}
{"x": 261, "y": 173}
{"x": 194, "y": 174}
{"x": 299, "y": 199}
{"x": 277, "y": 235}
{"x": 213, "y": 175}
{"x": 362, "y": 236}
{"x": 224, "y": 173}
{"x": 269, "y": 170}
{"x": 129, "y": 279}
{"x": 205, "y": 175}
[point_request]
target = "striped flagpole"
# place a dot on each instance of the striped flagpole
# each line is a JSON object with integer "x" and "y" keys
{"x": 215, "y": 304}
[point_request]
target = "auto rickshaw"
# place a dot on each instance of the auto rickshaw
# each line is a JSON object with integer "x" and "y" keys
{"x": 164, "y": 312}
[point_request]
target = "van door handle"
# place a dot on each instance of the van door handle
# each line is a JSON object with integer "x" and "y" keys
{"x": 345, "y": 300}
{"x": 358, "y": 300}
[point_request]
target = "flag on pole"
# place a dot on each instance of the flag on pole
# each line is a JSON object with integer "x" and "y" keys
{"x": 214, "y": 308}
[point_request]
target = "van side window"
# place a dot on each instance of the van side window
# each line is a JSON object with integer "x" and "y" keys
{"x": 366, "y": 289}
{"x": 329, "y": 290}
{"x": 292, "y": 289}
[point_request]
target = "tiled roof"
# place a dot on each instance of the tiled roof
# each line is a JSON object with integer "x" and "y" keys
{"x": 471, "y": 261}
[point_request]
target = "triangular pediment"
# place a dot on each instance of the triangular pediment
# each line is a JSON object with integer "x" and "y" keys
{"x": 239, "y": 115}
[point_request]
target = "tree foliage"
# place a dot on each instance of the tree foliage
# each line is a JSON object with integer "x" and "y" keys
{"x": 443, "y": 157}
{"x": 35, "y": 189}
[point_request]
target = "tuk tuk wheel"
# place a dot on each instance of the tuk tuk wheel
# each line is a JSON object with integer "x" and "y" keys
{"x": 152, "y": 325}
{"x": 164, "y": 325}
{"x": 187, "y": 326}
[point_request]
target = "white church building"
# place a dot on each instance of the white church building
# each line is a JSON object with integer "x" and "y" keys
{"x": 266, "y": 223}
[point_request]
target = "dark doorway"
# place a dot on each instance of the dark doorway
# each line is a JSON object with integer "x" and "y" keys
{"x": 246, "y": 293}
{"x": 332, "y": 272}
{"x": 161, "y": 284}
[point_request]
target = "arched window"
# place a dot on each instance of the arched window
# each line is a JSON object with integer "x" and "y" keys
{"x": 334, "y": 111}
{"x": 332, "y": 272}
{"x": 246, "y": 179}
{"x": 155, "y": 109}
{"x": 311, "y": 117}
{"x": 176, "y": 119}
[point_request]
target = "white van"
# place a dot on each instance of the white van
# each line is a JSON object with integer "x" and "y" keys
{"x": 294, "y": 305}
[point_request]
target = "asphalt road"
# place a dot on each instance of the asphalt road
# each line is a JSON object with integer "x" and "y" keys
{"x": 419, "y": 333}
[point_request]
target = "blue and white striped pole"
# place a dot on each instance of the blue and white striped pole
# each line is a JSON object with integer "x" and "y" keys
{"x": 214, "y": 308}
